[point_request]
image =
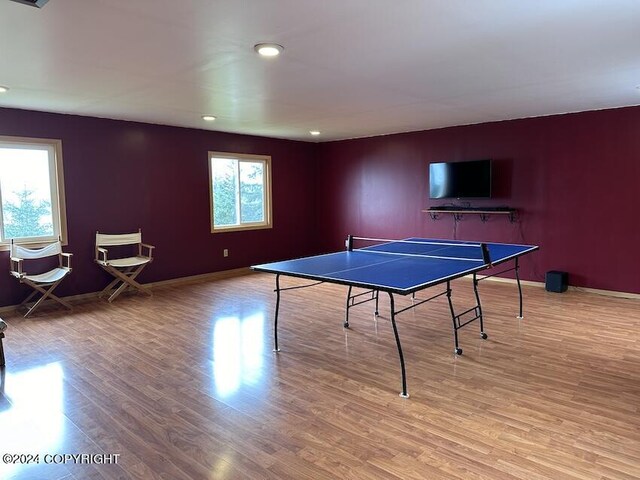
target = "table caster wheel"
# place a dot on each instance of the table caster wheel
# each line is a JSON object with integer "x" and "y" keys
{"x": 483, "y": 335}
{"x": 345, "y": 324}
{"x": 458, "y": 351}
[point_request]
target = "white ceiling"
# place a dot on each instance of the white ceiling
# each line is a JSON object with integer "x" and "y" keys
{"x": 350, "y": 68}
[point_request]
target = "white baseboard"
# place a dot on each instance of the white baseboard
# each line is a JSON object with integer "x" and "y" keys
{"x": 236, "y": 272}
{"x": 508, "y": 280}
{"x": 608, "y": 293}
{"x": 246, "y": 270}
{"x": 597, "y": 291}
{"x": 163, "y": 283}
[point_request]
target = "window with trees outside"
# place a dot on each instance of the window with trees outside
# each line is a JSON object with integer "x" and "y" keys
{"x": 31, "y": 191}
{"x": 240, "y": 191}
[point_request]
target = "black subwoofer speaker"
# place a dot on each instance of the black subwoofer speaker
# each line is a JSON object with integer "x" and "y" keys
{"x": 556, "y": 281}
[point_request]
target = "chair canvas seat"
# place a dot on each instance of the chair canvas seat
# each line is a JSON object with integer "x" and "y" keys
{"x": 52, "y": 276}
{"x": 43, "y": 283}
{"x": 126, "y": 269}
{"x": 128, "y": 262}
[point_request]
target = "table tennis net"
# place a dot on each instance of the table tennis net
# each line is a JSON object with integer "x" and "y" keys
{"x": 442, "y": 249}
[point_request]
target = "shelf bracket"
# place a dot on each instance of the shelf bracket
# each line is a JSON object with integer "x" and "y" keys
{"x": 484, "y": 215}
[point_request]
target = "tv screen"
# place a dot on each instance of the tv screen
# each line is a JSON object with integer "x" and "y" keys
{"x": 460, "y": 179}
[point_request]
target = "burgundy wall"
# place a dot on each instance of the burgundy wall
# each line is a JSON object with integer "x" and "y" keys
{"x": 120, "y": 176}
{"x": 575, "y": 179}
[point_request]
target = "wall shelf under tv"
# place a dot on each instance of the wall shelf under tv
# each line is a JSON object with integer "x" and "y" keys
{"x": 435, "y": 213}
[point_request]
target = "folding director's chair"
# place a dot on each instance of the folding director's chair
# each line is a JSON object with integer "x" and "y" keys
{"x": 125, "y": 270}
{"x": 43, "y": 283}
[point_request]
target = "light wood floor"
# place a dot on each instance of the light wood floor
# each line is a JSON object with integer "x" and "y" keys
{"x": 184, "y": 385}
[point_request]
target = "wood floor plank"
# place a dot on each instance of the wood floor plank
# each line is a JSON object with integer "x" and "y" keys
{"x": 184, "y": 385}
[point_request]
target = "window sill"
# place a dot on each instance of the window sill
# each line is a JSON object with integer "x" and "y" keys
{"x": 240, "y": 228}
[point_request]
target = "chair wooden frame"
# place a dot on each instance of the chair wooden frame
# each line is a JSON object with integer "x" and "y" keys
{"x": 43, "y": 283}
{"x": 124, "y": 270}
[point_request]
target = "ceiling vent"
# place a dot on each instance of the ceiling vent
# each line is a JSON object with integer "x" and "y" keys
{"x": 33, "y": 3}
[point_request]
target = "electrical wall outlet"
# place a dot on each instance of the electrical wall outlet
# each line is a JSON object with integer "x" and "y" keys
{"x": 225, "y": 252}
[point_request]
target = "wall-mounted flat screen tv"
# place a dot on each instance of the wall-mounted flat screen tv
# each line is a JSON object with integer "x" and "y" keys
{"x": 460, "y": 179}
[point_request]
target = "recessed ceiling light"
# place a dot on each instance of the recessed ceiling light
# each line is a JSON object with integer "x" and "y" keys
{"x": 208, "y": 118}
{"x": 4, "y": 89}
{"x": 268, "y": 49}
{"x": 314, "y": 132}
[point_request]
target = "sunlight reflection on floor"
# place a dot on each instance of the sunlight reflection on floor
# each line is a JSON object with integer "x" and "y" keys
{"x": 31, "y": 419}
{"x": 238, "y": 346}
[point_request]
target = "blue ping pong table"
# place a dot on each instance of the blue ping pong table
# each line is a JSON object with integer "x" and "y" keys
{"x": 401, "y": 267}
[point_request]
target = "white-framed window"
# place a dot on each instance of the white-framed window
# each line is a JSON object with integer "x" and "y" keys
{"x": 32, "y": 208}
{"x": 240, "y": 191}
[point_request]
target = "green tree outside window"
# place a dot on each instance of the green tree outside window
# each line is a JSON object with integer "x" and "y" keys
{"x": 27, "y": 217}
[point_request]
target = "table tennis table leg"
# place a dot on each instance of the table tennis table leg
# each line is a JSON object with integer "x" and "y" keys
{"x": 456, "y": 319}
{"x": 517, "y": 270}
{"x": 483, "y": 335}
{"x": 457, "y": 349}
{"x": 404, "y": 393}
{"x": 275, "y": 320}
{"x": 352, "y": 302}
{"x": 346, "y": 313}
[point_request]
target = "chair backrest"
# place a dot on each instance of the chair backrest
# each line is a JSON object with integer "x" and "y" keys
{"x": 25, "y": 253}
{"x": 106, "y": 240}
